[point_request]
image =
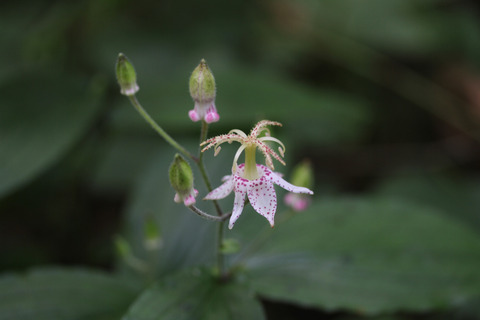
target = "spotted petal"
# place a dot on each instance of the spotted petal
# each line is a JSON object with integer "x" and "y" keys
{"x": 221, "y": 192}
{"x": 238, "y": 204}
{"x": 263, "y": 199}
{"x": 284, "y": 184}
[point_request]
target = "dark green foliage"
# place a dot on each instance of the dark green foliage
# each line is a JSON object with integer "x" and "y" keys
{"x": 380, "y": 96}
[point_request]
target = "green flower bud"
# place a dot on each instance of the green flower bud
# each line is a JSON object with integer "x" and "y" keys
{"x": 202, "y": 84}
{"x": 303, "y": 175}
{"x": 153, "y": 239}
{"x": 122, "y": 247}
{"x": 126, "y": 76}
{"x": 181, "y": 179}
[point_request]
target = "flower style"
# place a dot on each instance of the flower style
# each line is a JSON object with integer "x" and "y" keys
{"x": 250, "y": 179}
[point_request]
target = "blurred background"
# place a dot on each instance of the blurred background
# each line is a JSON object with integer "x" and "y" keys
{"x": 382, "y": 96}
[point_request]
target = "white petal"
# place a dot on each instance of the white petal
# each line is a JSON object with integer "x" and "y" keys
{"x": 284, "y": 184}
{"x": 238, "y": 204}
{"x": 263, "y": 199}
{"x": 222, "y": 191}
{"x": 177, "y": 198}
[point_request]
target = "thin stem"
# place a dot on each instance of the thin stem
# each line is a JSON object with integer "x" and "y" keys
{"x": 208, "y": 216}
{"x": 220, "y": 255}
{"x": 159, "y": 130}
{"x": 203, "y": 171}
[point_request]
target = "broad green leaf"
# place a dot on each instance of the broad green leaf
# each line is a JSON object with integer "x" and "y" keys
{"x": 48, "y": 294}
{"x": 367, "y": 256}
{"x": 41, "y": 117}
{"x": 196, "y": 295}
{"x": 460, "y": 197}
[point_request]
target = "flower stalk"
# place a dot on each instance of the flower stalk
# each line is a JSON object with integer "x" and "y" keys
{"x": 136, "y": 104}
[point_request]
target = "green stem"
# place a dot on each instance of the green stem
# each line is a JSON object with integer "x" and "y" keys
{"x": 209, "y": 216}
{"x": 206, "y": 179}
{"x": 159, "y": 130}
{"x": 220, "y": 255}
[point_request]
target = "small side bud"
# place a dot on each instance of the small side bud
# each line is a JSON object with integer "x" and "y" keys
{"x": 181, "y": 179}
{"x": 122, "y": 247}
{"x": 302, "y": 176}
{"x": 202, "y": 90}
{"x": 126, "y": 76}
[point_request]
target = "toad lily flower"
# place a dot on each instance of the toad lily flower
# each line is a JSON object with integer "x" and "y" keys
{"x": 250, "y": 179}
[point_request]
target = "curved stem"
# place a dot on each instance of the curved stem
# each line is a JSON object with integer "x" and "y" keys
{"x": 159, "y": 130}
{"x": 209, "y": 216}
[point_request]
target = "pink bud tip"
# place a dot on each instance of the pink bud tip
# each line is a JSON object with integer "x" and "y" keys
{"x": 193, "y": 115}
{"x": 297, "y": 202}
{"x": 211, "y": 117}
{"x": 301, "y": 205}
{"x": 189, "y": 200}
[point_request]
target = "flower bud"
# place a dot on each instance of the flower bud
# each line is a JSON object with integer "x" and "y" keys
{"x": 202, "y": 90}
{"x": 126, "y": 76}
{"x": 302, "y": 176}
{"x": 181, "y": 179}
{"x": 153, "y": 239}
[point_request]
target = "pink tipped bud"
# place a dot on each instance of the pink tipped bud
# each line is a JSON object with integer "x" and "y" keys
{"x": 202, "y": 90}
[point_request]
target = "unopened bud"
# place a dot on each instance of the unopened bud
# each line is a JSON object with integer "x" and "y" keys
{"x": 181, "y": 179}
{"x": 202, "y": 83}
{"x": 302, "y": 176}
{"x": 126, "y": 76}
{"x": 153, "y": 239}
{"x": 122, "y": 247}
{"x": 202, "y": 90}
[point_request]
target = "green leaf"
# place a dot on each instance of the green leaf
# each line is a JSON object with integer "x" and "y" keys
{"x": 40, "y": 118}
{"x": 64, "y": 294}
{"x": 368, "y": 256}
{"x": 196, "y": 295}
{"x": 458, "y": 196}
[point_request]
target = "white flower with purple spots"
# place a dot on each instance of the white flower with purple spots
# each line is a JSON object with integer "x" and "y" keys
{"x": 251, "y": 179}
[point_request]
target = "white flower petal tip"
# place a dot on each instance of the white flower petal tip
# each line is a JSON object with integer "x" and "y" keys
{"x": 221, "y": 192}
